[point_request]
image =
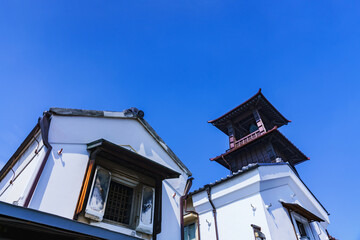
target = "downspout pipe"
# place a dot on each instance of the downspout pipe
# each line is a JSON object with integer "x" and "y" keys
{"x": 208, "y": 190}
{"x": 184, "y": 207}
{"x": 44, "y": 123}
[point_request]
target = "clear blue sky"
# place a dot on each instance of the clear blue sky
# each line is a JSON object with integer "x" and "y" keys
{"x": 186, "y": 62}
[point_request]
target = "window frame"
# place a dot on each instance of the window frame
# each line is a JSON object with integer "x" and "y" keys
{"x": 134, "y": 202}
{"x": 90, "y": 213}
{"x": 307, "y": 226}
{"x": 102, "y": 150}
{"x": 128, "y": 179}
{"x": 195, "y": 230}
{"x": 258, "y": 235}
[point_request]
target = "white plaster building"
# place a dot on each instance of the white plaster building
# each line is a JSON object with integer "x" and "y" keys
{"x": 263, "y": 197}
{"x": 92, "y": 175}
{"x": 84, "y": 174}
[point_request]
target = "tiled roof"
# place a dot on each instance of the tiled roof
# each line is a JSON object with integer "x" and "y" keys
{"x": 256, "y": 100}
{"x": 248, "y": 168}
{"x": 243, "y": 170}
{"x": 302, "y": 157}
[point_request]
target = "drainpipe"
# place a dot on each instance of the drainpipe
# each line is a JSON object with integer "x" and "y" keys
{"x": 208, "y": 190}
{"x": 182, "y": 207}
{"x": 44, "y": 123}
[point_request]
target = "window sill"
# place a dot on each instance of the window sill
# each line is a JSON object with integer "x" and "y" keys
{"x": 121, "y": 229}
{"x": 115, "y": 228}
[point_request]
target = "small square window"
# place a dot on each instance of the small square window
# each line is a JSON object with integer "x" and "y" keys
{"x": 119, "y": 203}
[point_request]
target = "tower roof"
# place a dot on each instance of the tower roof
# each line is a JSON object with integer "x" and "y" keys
{"x": 286, "y": 148}
{"x": 258, "y": 101}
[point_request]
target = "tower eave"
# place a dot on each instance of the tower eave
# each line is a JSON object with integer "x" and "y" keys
{"x": 274, "y": 136}
{"x": 258, "y": 100}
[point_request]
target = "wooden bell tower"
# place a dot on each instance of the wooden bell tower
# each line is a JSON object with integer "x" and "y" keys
{"x": 253, "y": 133}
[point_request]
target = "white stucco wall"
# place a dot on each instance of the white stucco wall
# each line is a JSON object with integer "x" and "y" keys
{"x": 281, "y": 184}
{"x": 60, "y": 184}
{"x": 253, "y": 198}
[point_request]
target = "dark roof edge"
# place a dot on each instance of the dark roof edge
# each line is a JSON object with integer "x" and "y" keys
{"x": 165, "y": 146}
{"x": 294, "y": 170}
{"x": 117, "y": 149}
{"x": 249, "y": 167}
{"x": 58, "y": 222}
{"x": 250, "y": 99}
{"x": 124, "y": 114}
{"x": 274, "y": 129}
{"x": 302, "y": 211}
{"x": 15, "y": 157}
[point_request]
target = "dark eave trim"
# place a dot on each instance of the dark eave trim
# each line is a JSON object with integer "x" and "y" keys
{"x": 131, "y": 159}
{"x": 166, "y": 148}
{"x": 76, "y": 112}
{"x": 42, "y": 219}
{"x": 294, "y": 207}
{"x": 268, "y": 133}
{"x": 215, "y": 121}
{"x": 15, "y": 157}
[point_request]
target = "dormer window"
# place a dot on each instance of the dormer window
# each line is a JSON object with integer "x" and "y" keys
{"x": 120, "y": 200}
{"x": 122, "y": 190}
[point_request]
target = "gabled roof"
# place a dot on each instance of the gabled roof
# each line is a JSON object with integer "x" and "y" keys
{"x": 257, "y": 101}
{"x": 292, "y": 151}
{"x": 132, "y": 113}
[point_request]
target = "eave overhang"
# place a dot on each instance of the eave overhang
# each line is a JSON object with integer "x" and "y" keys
{"x": 19, "y": 221}
{"x": 271, "y": 135}
{"x": 257, "y": 101}
{"x": 130, "y": 159}
{"x": 293, "y": 207}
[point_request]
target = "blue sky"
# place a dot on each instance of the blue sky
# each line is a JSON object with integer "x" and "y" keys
{"x": 187, "y": 62}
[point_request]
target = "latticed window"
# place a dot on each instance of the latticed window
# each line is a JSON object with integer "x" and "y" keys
{"x": 122, "y": 200}
{"x": 119, "y": 203}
